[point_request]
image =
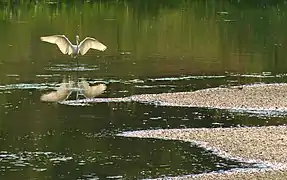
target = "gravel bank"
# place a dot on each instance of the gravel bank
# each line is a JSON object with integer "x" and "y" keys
{"x": 266, "y": 145}
{"x": 249, "y": 97}
{"x": 236, "y": 175}
{"x": 270, "y": 97}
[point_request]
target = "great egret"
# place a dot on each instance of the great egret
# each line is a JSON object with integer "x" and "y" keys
{"x": 61, "y": 94}
{"x": 91, "y": 91}
{"x": 66, "y": 47}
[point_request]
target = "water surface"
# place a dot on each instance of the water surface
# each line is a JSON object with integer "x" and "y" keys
{"x": 153, "y": 47}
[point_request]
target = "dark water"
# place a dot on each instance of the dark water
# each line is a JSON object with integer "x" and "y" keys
{"x": 153, "y": 47}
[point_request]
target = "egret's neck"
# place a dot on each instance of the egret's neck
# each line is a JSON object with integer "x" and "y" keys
{"x": 77, "y": 41}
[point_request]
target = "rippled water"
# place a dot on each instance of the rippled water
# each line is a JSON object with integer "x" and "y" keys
{"x": 60, "y": 141}
{"x": 115, "y": 161}
{"x": 153, "y": 47}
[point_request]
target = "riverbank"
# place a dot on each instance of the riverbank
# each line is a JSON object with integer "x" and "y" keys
{"x": 257, "y": 97}
{"x": 271, "y": 97}
{"x": 263, "y": 145}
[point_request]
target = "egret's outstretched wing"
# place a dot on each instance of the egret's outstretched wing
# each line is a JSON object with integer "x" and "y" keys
{"x": 97, "y": 90}
{"x": 92, "y": 91}
{"x": 90, "y": 43}
{"x": 61, "y": 41}
{"x": 61, "y": 94}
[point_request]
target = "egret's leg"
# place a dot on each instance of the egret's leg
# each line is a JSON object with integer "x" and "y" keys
{"x": 77, "y": 95}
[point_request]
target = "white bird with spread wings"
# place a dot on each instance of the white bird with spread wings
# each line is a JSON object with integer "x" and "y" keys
{"x": 66, "y": 47}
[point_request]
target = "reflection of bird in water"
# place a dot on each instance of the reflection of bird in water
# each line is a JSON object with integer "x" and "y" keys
{"x": 91, "y": 91}
{"x": 61, "y": 94}
{"x": 66, "y": 47}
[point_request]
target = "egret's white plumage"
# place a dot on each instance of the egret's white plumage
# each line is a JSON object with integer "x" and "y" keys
{"x": 91, "y": 91}
{"x": 62, "y": 93}
{"x": 66, "y": 47}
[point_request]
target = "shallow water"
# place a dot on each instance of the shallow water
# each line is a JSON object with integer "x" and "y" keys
{"x": 153, "y": 47}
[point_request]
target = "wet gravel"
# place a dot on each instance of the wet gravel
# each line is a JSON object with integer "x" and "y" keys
{"x": 266, "y": 145}
{"x": 271, "y": 97}
{"x": 250, "y": 97}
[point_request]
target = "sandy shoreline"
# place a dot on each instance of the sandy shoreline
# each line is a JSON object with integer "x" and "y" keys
{"x": 265, "y": 145}
{"x": 271, "y": 97}
{"x": 258, "y": 97}
{"x": 237, "y": 175}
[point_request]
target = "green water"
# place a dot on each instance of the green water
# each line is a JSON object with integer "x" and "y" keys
{"x": 153, "y": 47}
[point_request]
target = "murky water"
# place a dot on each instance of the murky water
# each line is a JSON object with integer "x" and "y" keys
{"x": 153, "y": 47}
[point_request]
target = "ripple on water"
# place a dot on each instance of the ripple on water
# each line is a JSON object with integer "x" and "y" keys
{"x": 87, "y": 102}
{"x": 48, "y": 75}
{"x": 67, "y": 67}
{"x": 185, "y": 78}
{"x": 138, "y": 83}
{"x": 25, "y": 86}
{"x": 12, "y": 75}
{"x": 155, "y": 86}
{"x": 114, "y": 177}
{"x": 37, "y": 160}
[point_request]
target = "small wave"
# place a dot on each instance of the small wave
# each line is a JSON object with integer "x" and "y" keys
{"x": 185, "y": 78}
{"x": 71, "y": 69}
{"x": 24, "y": 86}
